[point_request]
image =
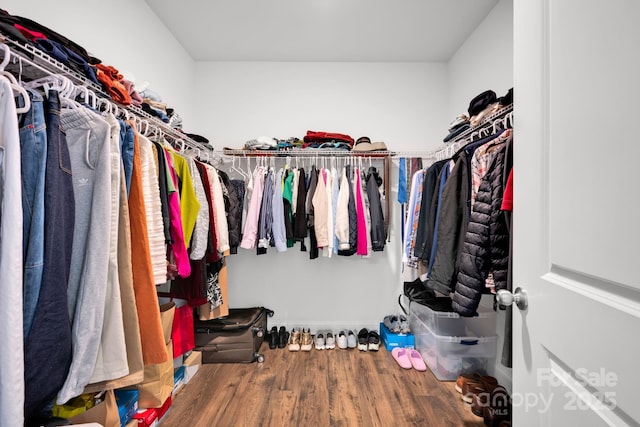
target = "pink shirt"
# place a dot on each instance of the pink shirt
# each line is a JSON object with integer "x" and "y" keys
{"x": 178, "y": 247}
{"x": 361, "y": 248}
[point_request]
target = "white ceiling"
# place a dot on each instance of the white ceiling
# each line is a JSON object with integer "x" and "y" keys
{"x": 321, "y": 30}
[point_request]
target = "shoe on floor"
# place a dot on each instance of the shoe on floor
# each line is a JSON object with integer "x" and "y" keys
{"x": 294, "y": 340}
{"x": 373, "y": 341}
{"x": 283, "y": 337}
{"x": 401, "y": 355}
{"x": 352, "y": 341}
{"x": 465, "y": 378}
{"x": 417, "y": 361}
{"x": 273, "y": 338}
{"x": 404, "y": 325}
{"x": 306, "y": 342}
{"x": 329, "y": 341}
{"x": 342, "y": 340}
{"x": 319, "y": 341}
{"x": 392, "y": 323}
{"x": 363, "y": 339}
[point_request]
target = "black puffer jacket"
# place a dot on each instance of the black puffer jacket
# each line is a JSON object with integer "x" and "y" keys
{"x": 486, "y": 244}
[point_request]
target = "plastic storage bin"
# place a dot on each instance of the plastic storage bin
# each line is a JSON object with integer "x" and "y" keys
{"x": 452, "y": 324}
{"x": 449, "y": 356}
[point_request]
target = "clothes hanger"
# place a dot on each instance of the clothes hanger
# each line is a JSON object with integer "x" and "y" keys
{"x": 17, "y": 88}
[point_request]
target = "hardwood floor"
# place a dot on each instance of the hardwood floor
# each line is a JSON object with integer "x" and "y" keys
{"x": 318, "y": 388}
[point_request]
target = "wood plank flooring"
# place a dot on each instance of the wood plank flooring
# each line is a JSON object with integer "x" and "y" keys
{"x": 344, "y": 388}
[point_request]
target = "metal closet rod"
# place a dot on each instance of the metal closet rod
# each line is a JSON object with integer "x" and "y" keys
{"x": 304, "y": 152}
{"x": 464, "y": 138}
{"x": 47, "y": 66}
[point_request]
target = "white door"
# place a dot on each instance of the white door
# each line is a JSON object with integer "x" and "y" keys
{"x": 577, "y": 212}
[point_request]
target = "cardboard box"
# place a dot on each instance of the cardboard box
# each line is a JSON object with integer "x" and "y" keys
{"x": 151, "y": 417}
{"x": 392, "y": 340}
{"x": 178, "y": 380}
{"x": 192, "y": 363}
{"x": 127, "y": 401}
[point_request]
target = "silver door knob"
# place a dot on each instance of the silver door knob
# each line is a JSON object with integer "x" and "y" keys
{"x": 506, "y": 298}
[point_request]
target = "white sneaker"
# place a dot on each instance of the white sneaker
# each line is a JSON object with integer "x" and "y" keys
{"x": 330, "y": 341}
{"x": 352, "y": 340}
{"x": 342, "y": 339}
{"x": 319, "y": 341}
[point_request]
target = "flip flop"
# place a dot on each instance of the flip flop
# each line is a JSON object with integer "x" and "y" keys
{"x": 401, "y": 355}
{"x": 416, "y": 361}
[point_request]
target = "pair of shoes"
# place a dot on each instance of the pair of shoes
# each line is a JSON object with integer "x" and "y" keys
{"x": 408, "y": 358}
{"x": 295, "y": 339}
{"x": 277, "y": 338}
{"x": 325, "y": 340}
{"x": 397, "y": 324}
{"x": 392, "y": 323}
{"x": 306, "y": 341}
{"x": 368, "y": 340}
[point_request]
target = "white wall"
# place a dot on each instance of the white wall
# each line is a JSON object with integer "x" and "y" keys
{"x": 125, "y": 34}
{"x": 400, "y": 104}
{"x": 403, "y": 105}
{"x": 484, "y": 61}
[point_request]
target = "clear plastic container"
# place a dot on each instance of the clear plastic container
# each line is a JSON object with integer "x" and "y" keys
{"x": 449, "y": 356}
{"x": 452, "y": 324}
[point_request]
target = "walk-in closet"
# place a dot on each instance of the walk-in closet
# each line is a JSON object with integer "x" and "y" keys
{"x": 318, "y": 213}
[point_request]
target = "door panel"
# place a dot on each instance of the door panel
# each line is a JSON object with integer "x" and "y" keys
{"x": 593, "y": 150}
{"x": 576, "y": 200}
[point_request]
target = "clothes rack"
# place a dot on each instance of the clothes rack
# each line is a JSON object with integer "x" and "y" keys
{"x": 385, "y": 156}
{"x": 28, "y": 63}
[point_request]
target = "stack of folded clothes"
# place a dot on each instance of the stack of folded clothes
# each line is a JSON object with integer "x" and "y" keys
{"x": 457, "y": 126}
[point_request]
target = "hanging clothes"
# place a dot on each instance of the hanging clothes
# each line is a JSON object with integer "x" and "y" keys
{"x": 300, "y": 215}
{"x": 265, "y": 222}
{"x": 278, "y": 214}
{"x": 189, "y": 206}
{"x": 486, "y": 245}
{"x": 233, "y": 211}
{"x": 220, "y": 210}
{"x": 378, "y": 235}
{"x": 111, "y": 361}
{"x": 130, "y": 320}
{"x": 88, "y": 141}
{"x": 200, "y": 236}
{"x": 178, "y": 244}
{"x": 12, "y": 386}
{"x": 320, "y": 210}
{"x": 154, "y": 349}
{"x": 33, "y": 151}
{"x": 153, "y": 209}
{"x": 288, "y": 204}
{"x": 47, "y": 350}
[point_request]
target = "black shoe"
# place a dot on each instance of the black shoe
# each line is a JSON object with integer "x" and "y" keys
{"x": 283, "y": 337}
{"x": 273, "y": 338}
{"x": 363, "y": 339}
{"x": 374, "y": 341}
